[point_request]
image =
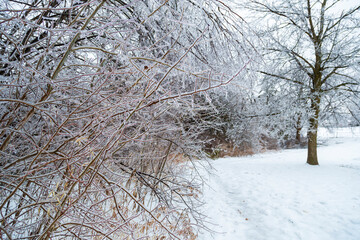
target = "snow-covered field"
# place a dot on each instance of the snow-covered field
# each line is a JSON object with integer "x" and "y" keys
{"x": 277, "y": 196}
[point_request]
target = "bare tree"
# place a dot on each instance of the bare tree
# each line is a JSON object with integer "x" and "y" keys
{"x": 94, "y": 98}
{"x": 318, "y": 39}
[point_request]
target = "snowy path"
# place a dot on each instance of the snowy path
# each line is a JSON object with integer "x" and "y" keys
{"x": 277, "y": 196}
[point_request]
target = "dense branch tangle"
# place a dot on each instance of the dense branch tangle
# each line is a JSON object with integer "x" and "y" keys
{"x": 93, "y": 94}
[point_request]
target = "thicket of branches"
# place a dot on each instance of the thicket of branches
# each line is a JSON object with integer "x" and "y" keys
{"x": 98, "y": 113}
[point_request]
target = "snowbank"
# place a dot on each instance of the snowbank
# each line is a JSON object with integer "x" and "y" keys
{"x": 275, "y": 196}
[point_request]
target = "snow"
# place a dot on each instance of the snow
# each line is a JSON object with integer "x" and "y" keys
{"x": 276, "y": 195}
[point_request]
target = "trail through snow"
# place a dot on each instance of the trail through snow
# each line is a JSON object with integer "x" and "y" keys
{"x": 277, "y": 196}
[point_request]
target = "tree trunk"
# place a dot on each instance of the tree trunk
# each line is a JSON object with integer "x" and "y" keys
{"x": 298, "y": 130}
{"x": 312, "y": 158}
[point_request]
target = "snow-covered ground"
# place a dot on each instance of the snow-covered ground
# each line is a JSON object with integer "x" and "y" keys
{"x": 276, "y": 195}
